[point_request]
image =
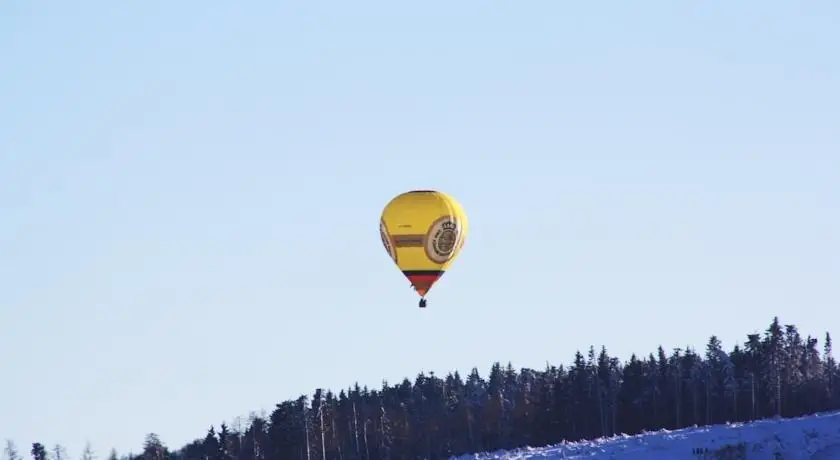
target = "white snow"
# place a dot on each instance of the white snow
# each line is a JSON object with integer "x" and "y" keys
{"x": 815, "y": 437}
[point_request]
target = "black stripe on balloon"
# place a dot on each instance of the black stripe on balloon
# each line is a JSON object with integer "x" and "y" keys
{"x": 422, "y": 272}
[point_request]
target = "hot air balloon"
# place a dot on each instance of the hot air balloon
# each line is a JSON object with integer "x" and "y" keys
{"x": 423, "y": 231}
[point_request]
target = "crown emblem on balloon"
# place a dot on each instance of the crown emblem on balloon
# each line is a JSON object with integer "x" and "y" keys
{"x": 449, "y": 225}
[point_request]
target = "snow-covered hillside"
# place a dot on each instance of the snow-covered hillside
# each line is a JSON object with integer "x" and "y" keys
{"x": 814, "y": 437}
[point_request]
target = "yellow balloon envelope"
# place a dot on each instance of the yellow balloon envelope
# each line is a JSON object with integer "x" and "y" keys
{"x": 423, "y": 232}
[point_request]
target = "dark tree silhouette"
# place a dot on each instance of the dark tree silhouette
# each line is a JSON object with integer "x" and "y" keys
{"x": 39, "y": 452}
{"x": 776, "y": 373}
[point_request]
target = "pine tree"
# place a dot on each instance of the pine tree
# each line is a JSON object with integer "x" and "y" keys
{"x": 39, "y": 452}
{"x": 210, "y": 445}
{"x": 226, "y": 443}
{"x": 153, "y": 448}
{"x": 756, "y": 365}
{"x": 774, "y": 343}
{"x": 830, "y": 373}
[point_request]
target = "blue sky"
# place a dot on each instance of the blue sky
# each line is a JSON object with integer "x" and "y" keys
{"x": 190, "y": 194}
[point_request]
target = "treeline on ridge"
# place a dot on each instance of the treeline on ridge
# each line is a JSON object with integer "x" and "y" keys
{"x": 775, "y": 373}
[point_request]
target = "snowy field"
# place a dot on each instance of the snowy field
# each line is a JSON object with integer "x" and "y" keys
{"x": 815, "y": 437}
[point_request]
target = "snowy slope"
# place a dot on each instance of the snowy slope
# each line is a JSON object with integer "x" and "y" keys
{"x": 814, "y": 437}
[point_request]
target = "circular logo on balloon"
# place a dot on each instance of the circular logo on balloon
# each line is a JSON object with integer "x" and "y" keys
{"x": 441, "y": 239}
{"x": 386, "y": 240}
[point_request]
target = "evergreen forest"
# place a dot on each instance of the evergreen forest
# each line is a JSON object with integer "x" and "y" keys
{"x": 774, "y": 373}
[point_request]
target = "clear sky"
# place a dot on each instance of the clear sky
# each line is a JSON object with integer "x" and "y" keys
{"x": 190, "y": 194}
